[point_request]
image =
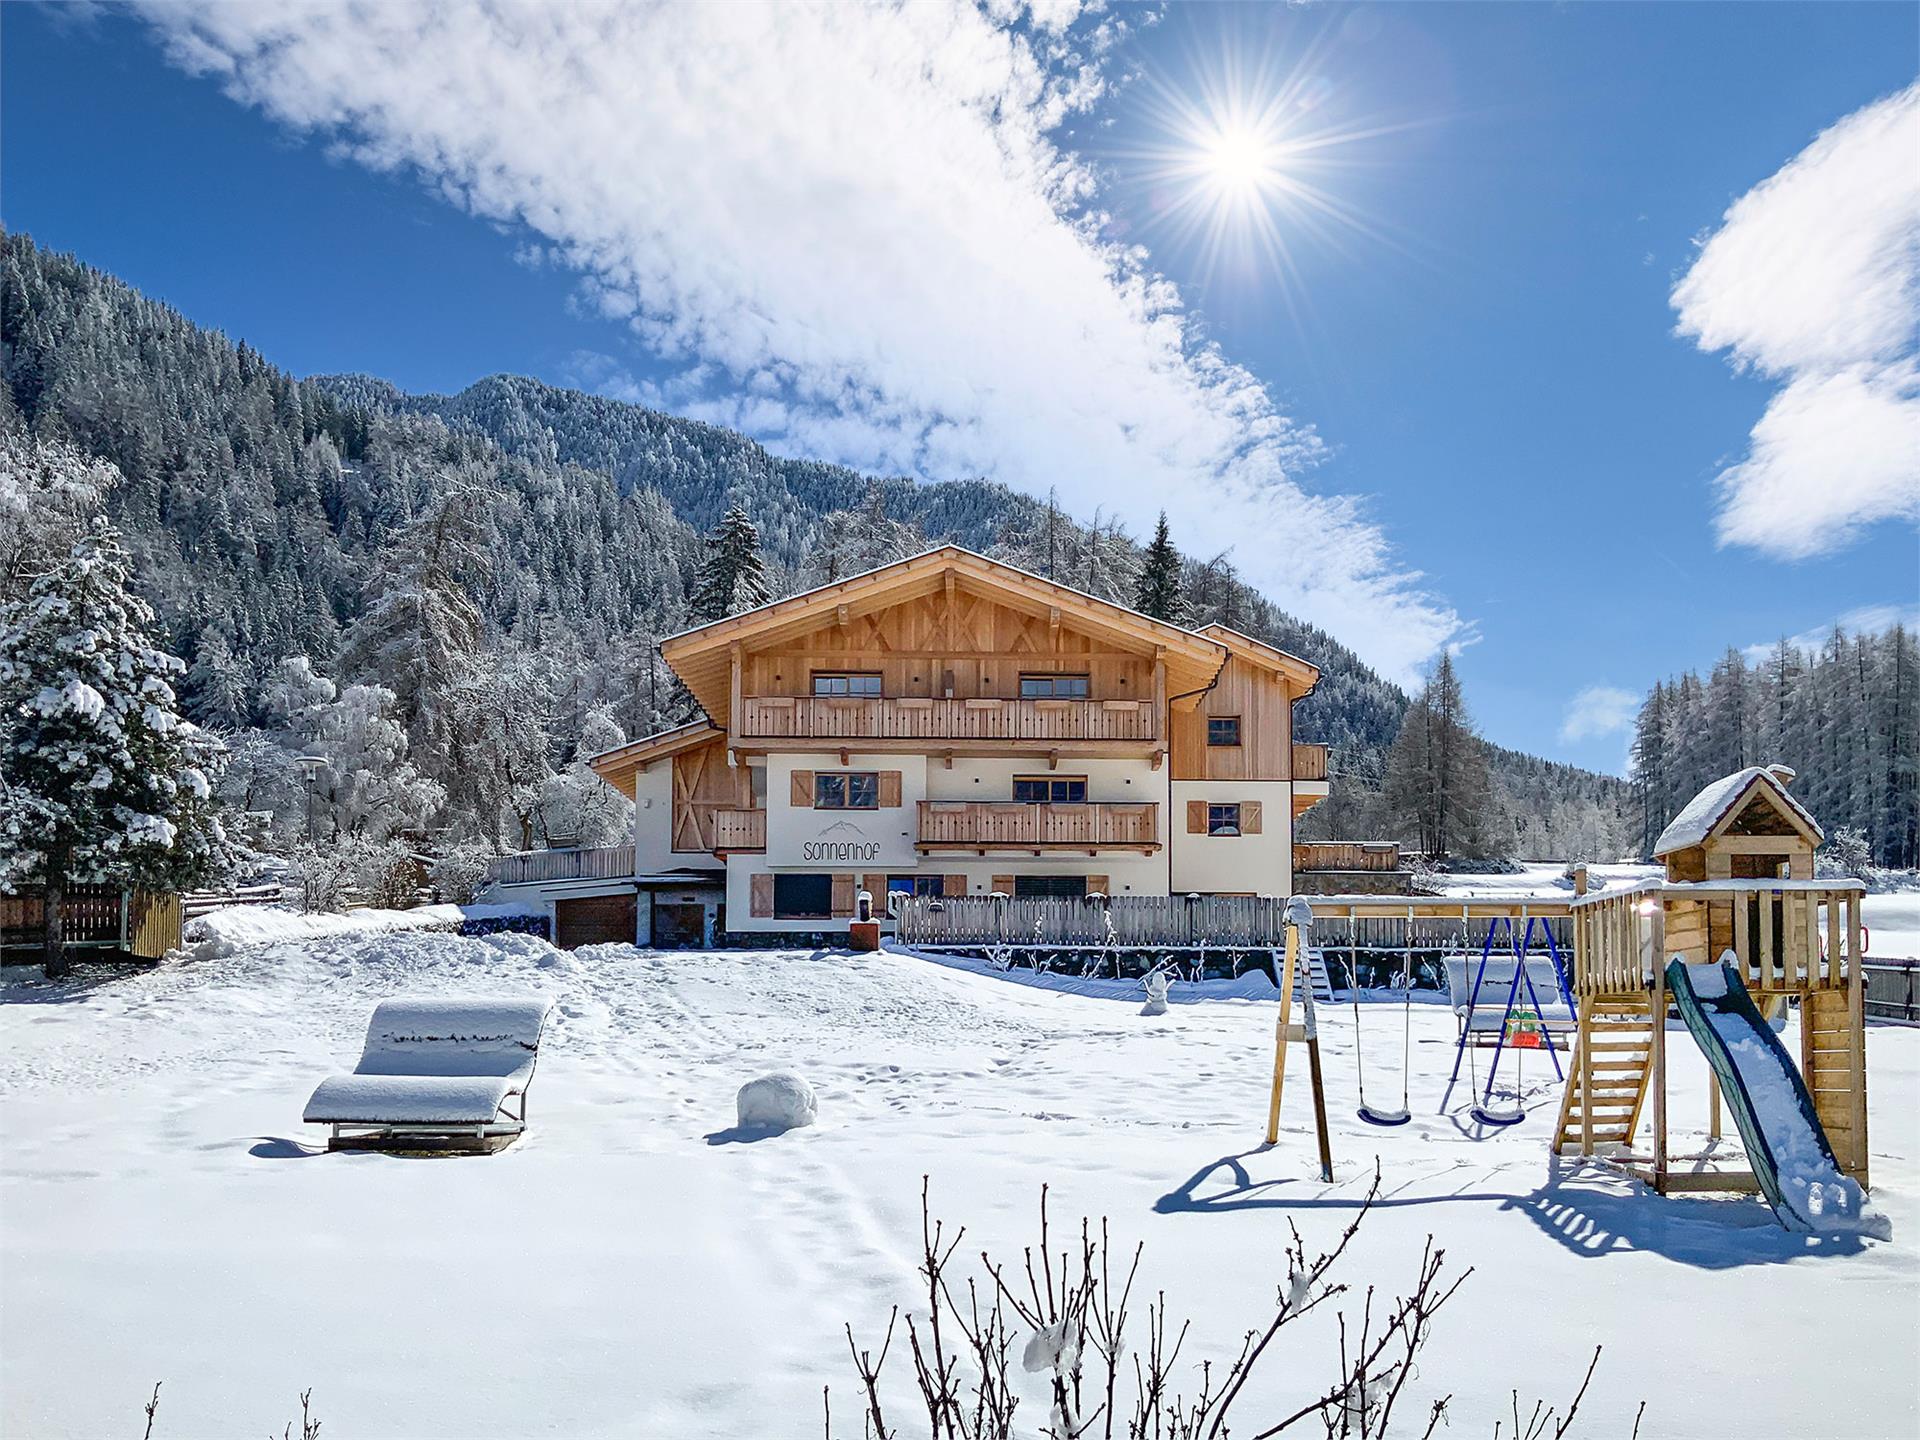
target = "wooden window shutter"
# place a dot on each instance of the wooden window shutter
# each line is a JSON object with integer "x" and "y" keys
{"x": 802, "y": 796}
{"x": 876, "y": 886}
{"x": 1097, "y": 885}
{"x": 1003, "y": 884}
{"x": 1196, "y": 817}
{"x": 763, "y": 897}
{"x": 842, "y": 896}
{"x": 953, "y": 884}
{"x": 1249, "y": 817}
{"x": 889, "y": 789}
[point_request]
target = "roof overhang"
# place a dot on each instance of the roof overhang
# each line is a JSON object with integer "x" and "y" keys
{"x": 1302, "y": 674}
{"x": 702, "y": 657}
{"x": 619, "y": 766}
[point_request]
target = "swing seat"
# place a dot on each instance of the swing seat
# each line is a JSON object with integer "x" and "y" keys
{"x": 1495, "y": 1117}
{"x": 1374, "y": 1116}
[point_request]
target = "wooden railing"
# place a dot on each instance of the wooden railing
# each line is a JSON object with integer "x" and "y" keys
{"x": 1346, "y": 855}
{"x": 739, "y": 830}
{"x": 1787, "y": 934}
{"x": 603, "y": 862}
{"x": 1348, "y": 930}
{"x": 1309, "y": 762}
{"x": 906, "y": 718}
{"x": 995, "y": 824}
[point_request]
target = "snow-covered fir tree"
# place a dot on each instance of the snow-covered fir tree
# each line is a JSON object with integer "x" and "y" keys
{"x": 733, "y": 578}
{"x": 1437, "y": 775}
{"x": 101, "y": 779}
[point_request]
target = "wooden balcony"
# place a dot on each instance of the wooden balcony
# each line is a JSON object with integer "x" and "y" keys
{"x": 1346, "y": 855}
{"x": 602, "y": 862}
{"x": 985, "y": 825}
{"x": 1309, "y": 762}
{"x": 739, "y": 830}
{"x": 885, "y": 718}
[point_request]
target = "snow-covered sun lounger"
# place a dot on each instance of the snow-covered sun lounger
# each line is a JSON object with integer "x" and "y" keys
{"x": 437, "y": 1074}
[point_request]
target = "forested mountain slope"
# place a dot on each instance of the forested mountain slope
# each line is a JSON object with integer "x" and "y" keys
{"x": 268, "y": 515}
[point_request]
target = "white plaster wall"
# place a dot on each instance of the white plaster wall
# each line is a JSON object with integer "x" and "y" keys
{"x": 653, "y": 821}
{"x": 1254, "y": 864}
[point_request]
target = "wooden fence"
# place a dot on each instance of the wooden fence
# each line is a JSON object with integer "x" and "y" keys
{"x": 99, "y": 919}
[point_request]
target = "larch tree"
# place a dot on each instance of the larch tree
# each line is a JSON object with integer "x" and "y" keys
{"x": 101, "y": 779}
{"x": 421, "y": 628}
{"x": 1157, "y": 591}
{"x": 1438, "y": 781}
{"x": 733, "y": 578}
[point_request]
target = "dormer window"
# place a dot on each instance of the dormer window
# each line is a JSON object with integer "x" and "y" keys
{"x": 1054, "y": 687}
{"x": 846, "y": 683}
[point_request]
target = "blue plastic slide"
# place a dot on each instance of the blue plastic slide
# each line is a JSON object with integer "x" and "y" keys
{"x": 1786, "y": 1144}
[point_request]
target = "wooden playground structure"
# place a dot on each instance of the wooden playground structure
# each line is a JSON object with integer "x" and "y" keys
{"x": 1739, "y": 878}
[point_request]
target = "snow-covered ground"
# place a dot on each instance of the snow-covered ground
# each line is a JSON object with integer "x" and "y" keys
{"x": 632, "y": 1268}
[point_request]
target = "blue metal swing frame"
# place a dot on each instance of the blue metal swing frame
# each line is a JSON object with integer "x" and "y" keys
{"x": 1518, "y": 947}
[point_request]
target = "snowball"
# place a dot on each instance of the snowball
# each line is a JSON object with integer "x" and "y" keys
{"x": 781, "y": 1101}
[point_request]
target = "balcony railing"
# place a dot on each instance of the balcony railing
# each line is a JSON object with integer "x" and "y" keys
{"x": 739, "y": 830}
{"x": 1346, "y": 855}
{"x": 819, "y": 717}
{"x": 602, "y": 862}
{"x": 1309, "y": 762}
{"x": 1010, "y": 825}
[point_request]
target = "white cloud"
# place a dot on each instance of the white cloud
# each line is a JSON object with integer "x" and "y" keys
{"x": 1814, "y": 277}
{"x": 1863, "y": 620}
{"x": 858, "y": 212}
{"x": 1598, "y": 710}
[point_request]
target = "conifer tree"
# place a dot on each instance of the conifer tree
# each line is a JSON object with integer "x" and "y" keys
{"x": 1157, "y": 592}
{"x": 1437, "y": 774}
{"x": 733, "y": 578}
{"x": 101, "y": 780}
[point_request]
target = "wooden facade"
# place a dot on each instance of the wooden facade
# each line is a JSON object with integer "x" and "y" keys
{"x": 704, "y": 784}
{"x": 1262, "y": 703}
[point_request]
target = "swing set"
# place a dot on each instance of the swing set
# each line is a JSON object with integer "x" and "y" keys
{"x": 1520, "y": 1028}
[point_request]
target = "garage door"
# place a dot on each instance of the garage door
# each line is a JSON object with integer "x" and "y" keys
{"x": 595, "y": 921}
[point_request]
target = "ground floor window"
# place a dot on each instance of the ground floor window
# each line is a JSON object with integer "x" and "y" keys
{"x": 802, "y": 897}
{"x": 1049, "y": 887}
{"x": 1223, "y": 819}
{"x": 913, "y": 884}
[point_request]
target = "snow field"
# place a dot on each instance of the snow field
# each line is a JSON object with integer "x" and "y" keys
{"x": 633, "y": 1267}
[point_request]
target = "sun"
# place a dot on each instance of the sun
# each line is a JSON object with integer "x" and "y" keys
{"x": 1240, "y": 159}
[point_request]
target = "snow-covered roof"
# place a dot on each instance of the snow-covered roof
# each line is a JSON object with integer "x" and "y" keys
{"x": 1696, "y": 821}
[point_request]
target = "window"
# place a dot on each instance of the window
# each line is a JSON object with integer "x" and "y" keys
{"x": 854, "y": 790}
{"x": 1050, "y": 789}
{"x": 913, "y": 884}
{"x": 1049, "y": 887}
{"x": 1053, "y": 687}
{"x": 1223, "y": 819}
{"x": 846, "y": 684}
{"x": 802, "y": 897}
{"x": 1223, "y": 730}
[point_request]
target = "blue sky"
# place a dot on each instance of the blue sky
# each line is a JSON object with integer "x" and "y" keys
{"x": 1461, "y": 315}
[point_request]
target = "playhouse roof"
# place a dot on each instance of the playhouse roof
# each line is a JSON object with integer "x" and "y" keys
{"x": 1704, "y": 813}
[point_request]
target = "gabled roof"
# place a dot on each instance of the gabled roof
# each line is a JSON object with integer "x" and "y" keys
{"x": 1303, "y": 673}
{"x": 619, "y": 765}
{"x": 1701, "y": 818}
{"x": 701, "y": 656}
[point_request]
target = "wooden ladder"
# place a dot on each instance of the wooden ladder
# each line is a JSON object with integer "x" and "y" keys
{"x": 1616, "y": 1040}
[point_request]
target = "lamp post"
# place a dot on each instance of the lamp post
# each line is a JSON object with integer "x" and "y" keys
{"x": 310, "y": 768}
